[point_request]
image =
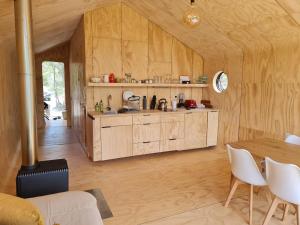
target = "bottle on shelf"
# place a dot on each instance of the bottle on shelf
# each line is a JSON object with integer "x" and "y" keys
{"x": 97, "y": 107}
{"x": 174, "y": 104}
{"x": 144, "y": 102}
{"x": 101, "y": 106}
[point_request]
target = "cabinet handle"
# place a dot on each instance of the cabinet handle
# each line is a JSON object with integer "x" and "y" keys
{"x": 172, "y": 139}
{"x": 106, "y": 127}
{"x": 189, "y": 113}
{"x": 146, "y": 123}
{"x": 146, "y": 115}
{"x": 146, "y": 142}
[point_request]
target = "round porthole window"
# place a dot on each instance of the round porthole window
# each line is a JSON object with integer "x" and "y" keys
{"x": 220, "y": 82}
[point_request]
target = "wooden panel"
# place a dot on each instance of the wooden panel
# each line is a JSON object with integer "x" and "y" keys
{"x": 182, "y": 59}
{"x": 107, "y": 22}
{"x": 112, "y": 149}
{"x": 116, "y": 121}
{"x": 212, "y": 128}
{"x": 77, "y": 79}
{"x": 146, "y": 133}
{"x": 169, "y": 118}
{"x": 134, "y": 26}
{"x": 171, "y": 145}
{"x": 145, "y": 148}
{"x": 88, "y": 43}
{"x": 172, "y": 130}
{"x": 93, "y": 140}
{"x": 10, "y": 152}
{"x": 107, "y": 57}
{"x": 135, "y": 59}
{"x": 270, "y": 105}
{"x": 198, "y": 65}
{"x": 159, "y": 69}
{"x": 146, "y": 118}
{"x": 195, "y": 130}
{"x": 160, "y": 44}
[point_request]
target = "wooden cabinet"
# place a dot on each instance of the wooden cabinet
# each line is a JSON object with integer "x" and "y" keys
{"x": 212, "y": 128}
{"x": 146, "y": 132}
{"x": 93, "y": 139}
{"x": 172, "y": 132}
{"x": 146, "y": 118}
{"x": 116, "y": 137}
{"x": 195, "y": 129}
{"x": 119, "y": 136}
{"x": 116, "y": 142}
{"x": 146, "y": 148}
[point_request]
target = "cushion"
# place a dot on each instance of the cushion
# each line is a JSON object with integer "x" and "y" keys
{"x": 18, "y": 211}
{"x": 69, "y": 208}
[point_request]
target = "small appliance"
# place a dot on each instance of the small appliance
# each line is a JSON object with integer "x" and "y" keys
{"x": 181, "y": 100}
{"x": 162, "y": 104}
{"x": 190, "y": 104}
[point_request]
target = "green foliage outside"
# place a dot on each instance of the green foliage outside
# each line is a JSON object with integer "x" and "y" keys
{"x": 54, "y": 83}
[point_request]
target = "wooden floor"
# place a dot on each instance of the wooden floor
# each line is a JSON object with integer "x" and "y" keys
{"x": 166, "y": 189}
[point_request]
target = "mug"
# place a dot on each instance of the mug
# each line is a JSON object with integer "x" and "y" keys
{"x": 106, "y": 78}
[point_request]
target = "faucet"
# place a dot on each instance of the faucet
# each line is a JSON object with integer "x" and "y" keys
{"x": 109, "y": 98}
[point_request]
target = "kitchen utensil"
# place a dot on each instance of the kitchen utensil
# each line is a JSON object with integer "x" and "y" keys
{"x": 105, "y": 78}
{"x": 127, "y": 95}
{"x": 144, "y": 102}
{"x": 190, "y": 104}
{"x": 95, "y": 79}
{"x": 162, "y": 104}
{"x": 111, "y": 78}
{"x": 174, "y": 104}
{"x": 134, "y": 103}
{"x": 181, "y": 100}
{"x": 153, "y": 102}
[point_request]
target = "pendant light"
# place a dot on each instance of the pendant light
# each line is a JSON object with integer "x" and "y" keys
{"x": 192, "y": 17}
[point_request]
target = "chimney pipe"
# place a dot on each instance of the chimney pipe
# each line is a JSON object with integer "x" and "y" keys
{"x": 23, "y": 24}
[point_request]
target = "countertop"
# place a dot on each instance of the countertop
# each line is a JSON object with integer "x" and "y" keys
{"x": 95, "y": 114}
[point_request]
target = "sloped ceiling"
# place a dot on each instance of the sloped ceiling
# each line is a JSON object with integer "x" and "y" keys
{"x": 227, "y": 26}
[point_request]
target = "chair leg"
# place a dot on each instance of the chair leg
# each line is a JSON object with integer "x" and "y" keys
{"x": 286, "y": 211}
{"x": 250, "y": 204}
{"x": 231, "y": 180}
{"x": 232, "y": 191}
{"x": 298, "y": 214}
{"x": 271, "y": 211}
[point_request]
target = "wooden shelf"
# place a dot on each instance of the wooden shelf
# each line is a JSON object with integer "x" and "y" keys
{"x": 90, "y": 84}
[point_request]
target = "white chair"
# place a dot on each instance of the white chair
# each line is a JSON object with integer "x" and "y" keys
{"x": 244, "y": 171}
{"x": 284, "y": 183}
{"x": 292, "y": 139}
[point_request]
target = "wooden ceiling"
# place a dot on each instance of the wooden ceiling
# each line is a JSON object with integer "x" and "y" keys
{"x": 227, "y": 26}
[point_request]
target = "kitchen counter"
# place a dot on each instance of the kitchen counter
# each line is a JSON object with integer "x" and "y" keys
{"x": 95, "y": 114}
{"x": 150, "y": 131}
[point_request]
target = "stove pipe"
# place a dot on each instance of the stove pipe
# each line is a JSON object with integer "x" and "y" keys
{"x": 26, "y": 71}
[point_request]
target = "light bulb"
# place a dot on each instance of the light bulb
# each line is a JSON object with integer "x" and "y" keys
{"x": 191, "y": 17}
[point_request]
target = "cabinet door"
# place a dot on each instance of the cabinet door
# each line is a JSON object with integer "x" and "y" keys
{"x": 195, "y": 130}
{"x": 146, "y": 132}
{"x": 116, "y": 142}
{"x": 172, "y": 136}
{"x": 173, "y": 130}
{"x": 212, "y": 128}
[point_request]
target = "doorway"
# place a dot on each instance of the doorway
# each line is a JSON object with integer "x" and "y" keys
{"x": 54, "y": 93}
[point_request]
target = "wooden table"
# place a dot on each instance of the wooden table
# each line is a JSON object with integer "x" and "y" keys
{"x": 275, "y": 149}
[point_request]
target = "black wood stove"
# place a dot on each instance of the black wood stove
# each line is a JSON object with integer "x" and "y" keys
{"x": 47, "y": 177}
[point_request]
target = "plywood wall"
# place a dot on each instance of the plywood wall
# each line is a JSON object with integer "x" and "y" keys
{"x": 10, "y": 155}
{"x": 58, "y": 53}
{"x": 270, "y": 103}
{"x": 228, "y": 102}
{"x": 77, "y": 81}
{"x": 122, "y": 41}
